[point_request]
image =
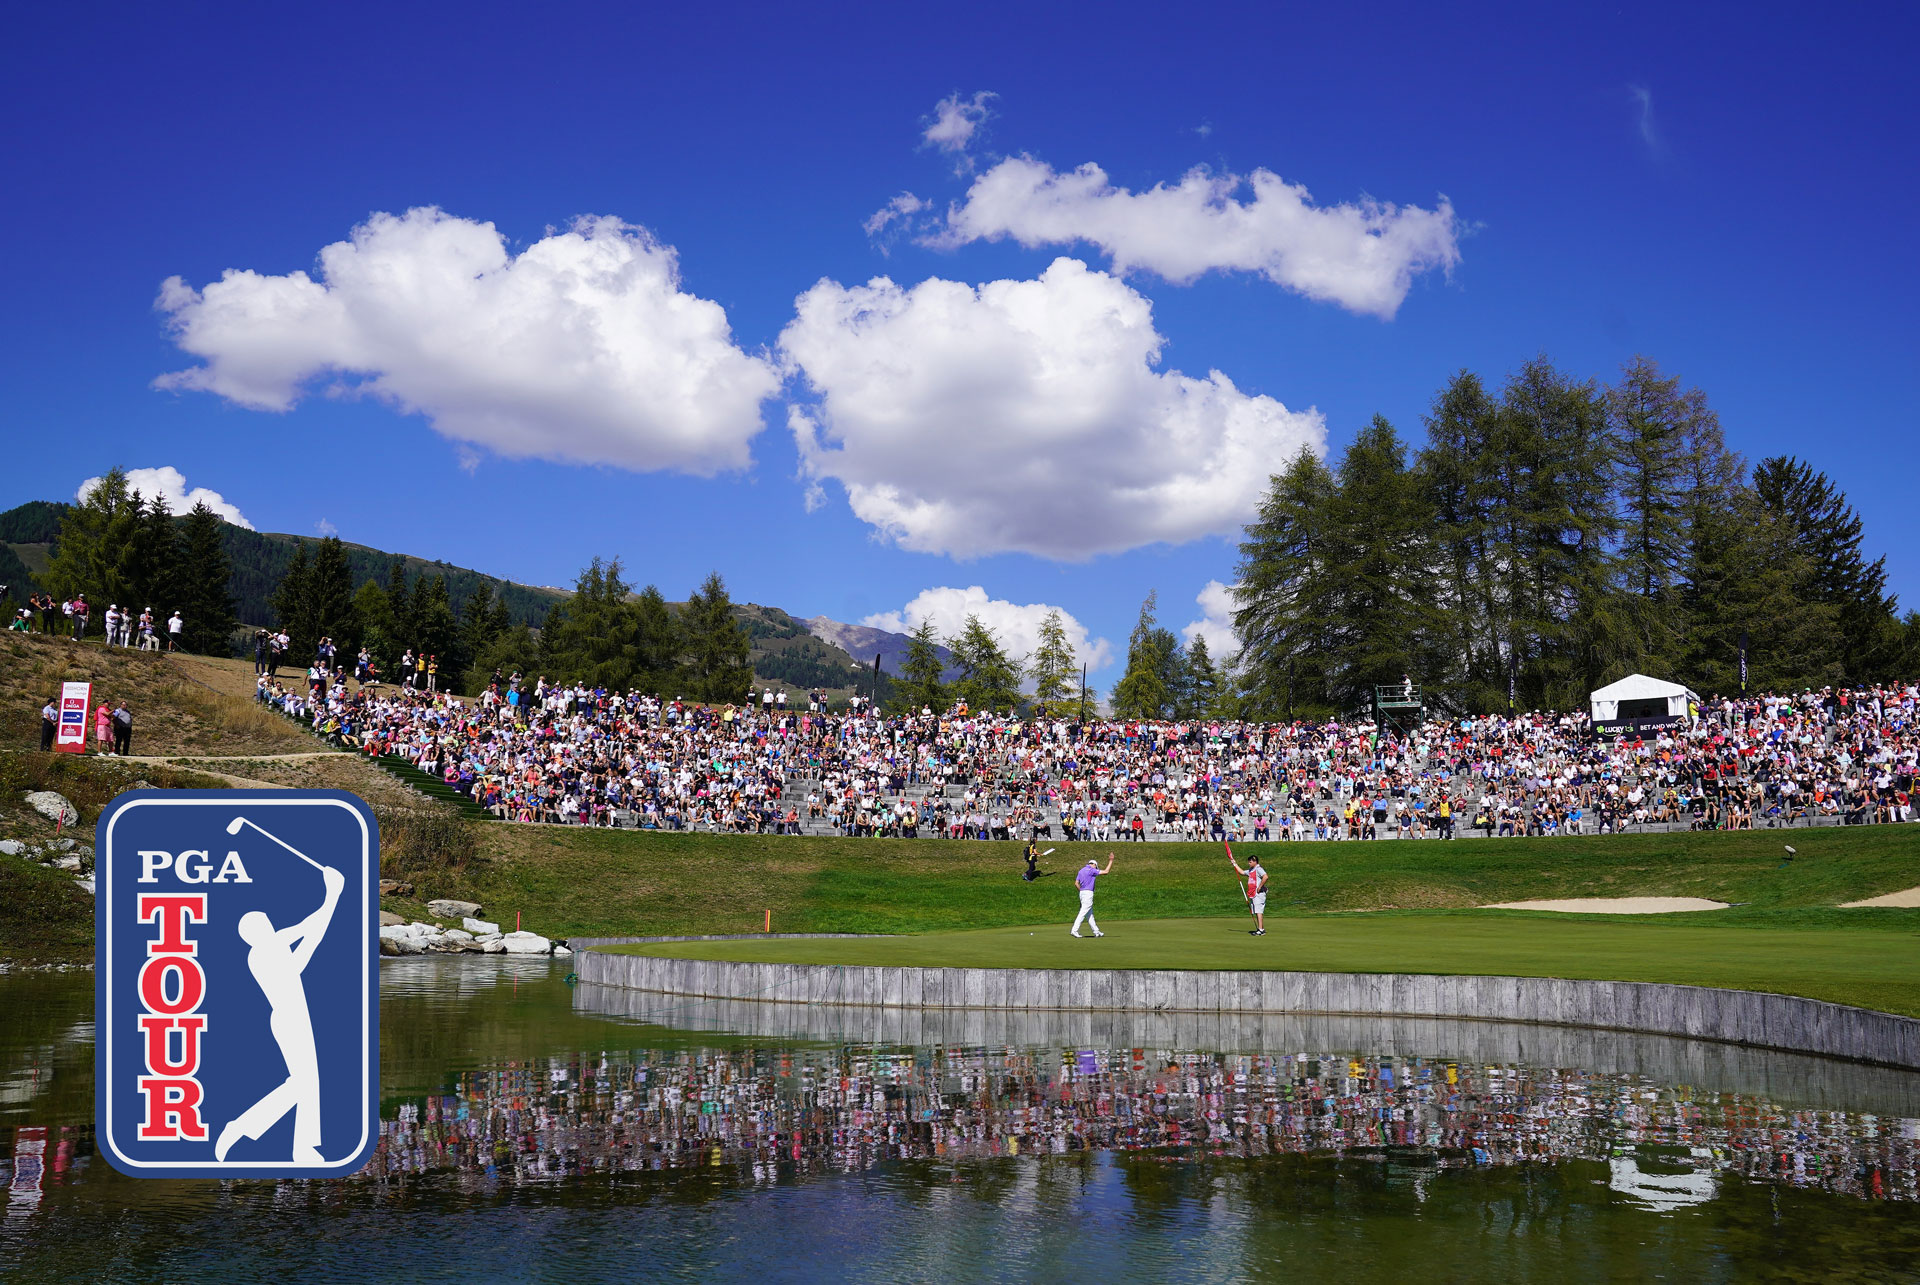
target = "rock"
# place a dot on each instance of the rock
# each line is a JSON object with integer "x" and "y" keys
{"x": 388, "y": 946}
{"x": 68, "y": 862}
{"x": 12, "y": 848}
{"x": 390, "y": 920}
{"x": 56, "y": 808}
{"x": 86, "y": 886}
{"x": 493, "y": 946}
{"x": 459, "y": 934}
{"x": 141, "y": 784}
{"x": 480, "y": 927}
{"x": 395, "y": 888}
{"x": 447, "y": 908}
{"x": 521, "y": 943}
{"x": 562, "y": 952}
{"x": 445, "y": 945}
{"x": 63, "y": 845}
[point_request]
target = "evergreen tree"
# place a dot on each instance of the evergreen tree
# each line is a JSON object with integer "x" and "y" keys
{"x": 378, "y": 633}
{"x": 158, "y": 566}
{"x": 482, "y": 619}
{"x": 330, "y": 589}
{"x": 97, "y": 551}
{"x": 400, "y": 607}
{"x": 1143, "y": 690}
{"x": 1460, "y": 429}
{"x": 294, "y": 609}
{"x": 1287, "y": 594}
{"x": 200, "y": 584}
{"x": 921, "y": 687}
{"x": 1752, "y": 579}
{"x": 1202, "y": 693}
{"x": 1054, "y": 670}
{"x": 590, "y": 637}
{"x": 717, "y": 648}
{"x": 656, "y": 641}
{"x": 1827, "y": 532}
{"x": 989, "y": 678}
{"x": 436, "y": 631}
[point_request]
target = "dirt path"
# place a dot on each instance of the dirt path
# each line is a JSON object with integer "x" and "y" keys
{"x": 230, "y": 758}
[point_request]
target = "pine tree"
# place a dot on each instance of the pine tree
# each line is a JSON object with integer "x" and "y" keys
{"x": 400, "y": 607}
{"x": 1752, "y": 579}
{"x": 97, "y": 550}
{"x": 1287, "y": 594}
{"x": 589, "y": 637}
{"x": 482, "y": 619}
{"x": 378, "y": 633}
{"x": 1203, "y": 687}
{"x": 717, "y": 648}
{"x": 201, "y": 583}
{"x": 1460, "y": 427}
{"x": 436, "y": 631}
{"x": 330, "y": 589}
{"x": 158, "y": 564}
{"x": 1828, "y": 532}
{"x": 657, "y": 643}
{"x": 921, "y": 671}
{"x": 989, "y": 678}
{"x": 1054, "y": 670}
{"x": 1142, "y": 691}
{"x": 293, "y": 607}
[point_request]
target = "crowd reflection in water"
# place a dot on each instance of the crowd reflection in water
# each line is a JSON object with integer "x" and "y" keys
{"x": 766, "y": 1113}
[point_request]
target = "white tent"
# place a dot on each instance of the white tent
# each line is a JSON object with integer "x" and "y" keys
{"x": 1637, "y": 696}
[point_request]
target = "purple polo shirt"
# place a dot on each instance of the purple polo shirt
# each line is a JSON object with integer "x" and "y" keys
{"x": 1088, "y": 873}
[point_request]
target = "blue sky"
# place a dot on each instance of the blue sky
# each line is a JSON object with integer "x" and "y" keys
{"x": 1724, "y": 189}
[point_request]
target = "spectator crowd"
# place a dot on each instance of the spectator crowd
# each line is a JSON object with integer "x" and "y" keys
{"x": 572, "y": 754}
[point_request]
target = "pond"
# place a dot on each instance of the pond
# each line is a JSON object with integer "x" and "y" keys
{"x": 535, "y": 1130}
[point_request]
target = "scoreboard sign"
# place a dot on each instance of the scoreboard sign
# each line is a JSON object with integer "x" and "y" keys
{"x": 237, "y": 982}
{"x": 75, "y": 700}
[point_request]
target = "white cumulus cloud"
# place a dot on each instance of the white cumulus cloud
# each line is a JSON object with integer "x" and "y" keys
{"x": 1215, "y": 623}
{"x": 955, "y": 121}
{"x": 1360, "y": 255}
{"x": 170, "y": 485}
{"x": 582, "y": 348}
{"x": 1016, "y": 625}
{"x": 1025, "y": 416}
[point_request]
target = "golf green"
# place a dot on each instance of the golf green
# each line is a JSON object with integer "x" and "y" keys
{"x": 1866, "y": 966}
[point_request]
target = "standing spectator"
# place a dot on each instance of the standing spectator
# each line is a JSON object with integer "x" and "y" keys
{"x": 433, "y": 672}
{"x": 174, "y": 626}
{"x": 77, "y": 611}
{"x": 49, "y": 724}
{"x": 113, "y": 623}
{"x": 261, "y": 643}
{"x": 147, "y": 640}
{"x": 103, "y": 727}
{"x": 122, "y": 729}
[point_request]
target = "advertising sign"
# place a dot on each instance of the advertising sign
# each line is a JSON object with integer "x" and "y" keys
{"x": 76, "y": 699}
{"x": 237, "y": 983}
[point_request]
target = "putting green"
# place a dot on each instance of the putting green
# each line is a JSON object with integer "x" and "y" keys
{"x": 1865, "y": 967}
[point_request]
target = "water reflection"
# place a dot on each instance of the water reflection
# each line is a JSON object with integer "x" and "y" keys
{"x": 534, "y": 1132}
{"x": 766, "y": 1113}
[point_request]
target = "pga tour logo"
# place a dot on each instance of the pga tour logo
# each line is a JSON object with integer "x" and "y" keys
{"x": 237, "y": 976}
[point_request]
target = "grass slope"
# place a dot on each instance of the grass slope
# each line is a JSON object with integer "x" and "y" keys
{"x": 1859, "y": 964}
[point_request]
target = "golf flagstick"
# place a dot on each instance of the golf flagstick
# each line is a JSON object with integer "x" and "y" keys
{"x": 1244, "y": 894}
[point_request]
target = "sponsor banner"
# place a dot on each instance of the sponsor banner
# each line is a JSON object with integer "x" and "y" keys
{"x": 76, "y": 704}
{"x": 237, "y": 983}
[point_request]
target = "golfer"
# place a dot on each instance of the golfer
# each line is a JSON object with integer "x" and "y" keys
{"x": 1256, "y": 878}
{"x": 1088, "y": 873}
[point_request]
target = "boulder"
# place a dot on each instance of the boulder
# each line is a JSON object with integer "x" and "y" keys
{"x": 446, "y": 908}
{"x": 85, "y": 885}
{"x": 12, "y": 848}
{"x": 56, "y": 808}
{"x": 63, "y": 845}
{"x": 71, "y": 861}
{"x": 390, "y": 920}
{"x": 458, "y": 934}
{"x": 522, "y": 943}
{"x": 395, "y": 888}
{"x": 493, "y": 946}
{"x": 388, "y": 946}
{"x": 480, "y": 927}
{"x": 562, "y": 952}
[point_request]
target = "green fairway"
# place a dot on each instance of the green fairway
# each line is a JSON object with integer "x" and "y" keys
{"x": 573, "y": 881}
{"x": 1867, "y": 966}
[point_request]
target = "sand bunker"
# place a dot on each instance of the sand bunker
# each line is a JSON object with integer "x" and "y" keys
{"x": 1617, "y": 905}
{"x": 1905, "y": 899}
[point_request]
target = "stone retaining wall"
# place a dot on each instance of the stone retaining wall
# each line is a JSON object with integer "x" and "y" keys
{"x": 1735, "y": 1017}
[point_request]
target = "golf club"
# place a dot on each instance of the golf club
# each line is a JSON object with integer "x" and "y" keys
{"x": 1047, "y": 853}
{"x": 233, "y": 827}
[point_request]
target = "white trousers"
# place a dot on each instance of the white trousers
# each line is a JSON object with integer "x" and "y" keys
{"x": 1086, "y": 911}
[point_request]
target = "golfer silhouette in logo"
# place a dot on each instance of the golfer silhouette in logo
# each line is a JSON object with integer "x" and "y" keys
{"x": 277, "y": 959}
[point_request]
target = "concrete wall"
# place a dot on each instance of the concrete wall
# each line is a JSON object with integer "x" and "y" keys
{"x": 1735, "y": 1017}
